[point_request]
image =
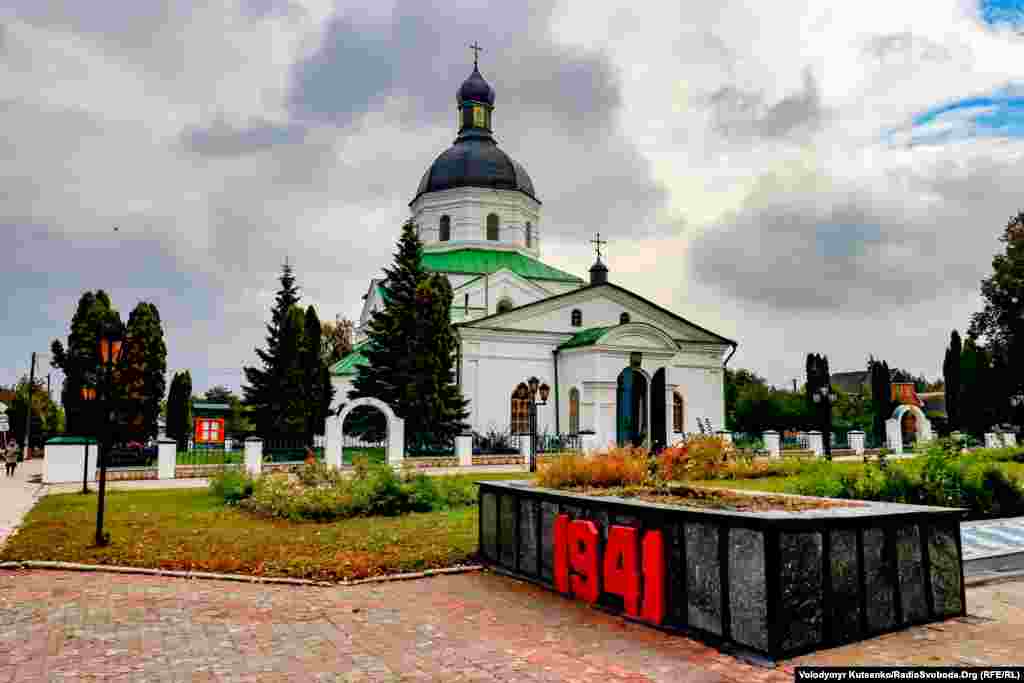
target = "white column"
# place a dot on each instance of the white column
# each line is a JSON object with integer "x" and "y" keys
{"x": 771, "y": 443}
{"x": 254, "y": 456}
{"x": 1009, "y": 439}
{"x": 524, "y": 448}
{"x": 396, "y": 442}
{"x": 167, "y": 458}
{"x": 815, "y": 442}
{"x": 992, "y": 440}
{"x": 464, "y": 449}
{"x": 856, "y": 438}
{"x": 334, "y": 442}
{"x": 894, "y": 435}
{"x": 589, "y": 443}
{"x": 228, "y": 443}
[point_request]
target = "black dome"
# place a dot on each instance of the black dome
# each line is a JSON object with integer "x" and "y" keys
{"x": 475, "y": 88}
{"x": 475, "y": 162}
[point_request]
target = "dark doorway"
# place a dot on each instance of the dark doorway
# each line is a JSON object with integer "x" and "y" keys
{"x": 659, "y": 431}
{"x": 631, "y": 408}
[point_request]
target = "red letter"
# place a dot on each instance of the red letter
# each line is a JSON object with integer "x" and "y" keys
{"x": 583, "y": 559}
{"x": 654, "y": 577}
{"x": 620, "y": 568}
{"x": 562, "y": 554}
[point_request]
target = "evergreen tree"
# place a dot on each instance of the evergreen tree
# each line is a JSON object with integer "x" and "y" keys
{"x": 976, "y": 390}
{"x": 410, "y": 350}
{"x": 318, "y": 390}
{"x": 881, "y": 396}
{"x": 951, "y": 377}
{"x": 819, "y": 384}
{"x": 145, "y": 370}
{"x": 79, "y": 360}
{"x": 266, "y": 390}
{"x": 179, "y": 409}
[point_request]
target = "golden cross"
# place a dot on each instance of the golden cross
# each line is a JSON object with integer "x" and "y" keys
{"x": 599, "y": 242}
{"x": 476, "y": 51}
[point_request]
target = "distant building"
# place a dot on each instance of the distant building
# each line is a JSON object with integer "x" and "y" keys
{"x": 208, "y": 421}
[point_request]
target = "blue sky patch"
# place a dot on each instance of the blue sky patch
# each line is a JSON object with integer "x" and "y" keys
{"x": 999, "y": 115}
{"x": 995, "y": 12}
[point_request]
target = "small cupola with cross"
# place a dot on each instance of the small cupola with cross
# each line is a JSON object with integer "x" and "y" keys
{"x": 598, "y": 271}
{"x": 476, "y": 100}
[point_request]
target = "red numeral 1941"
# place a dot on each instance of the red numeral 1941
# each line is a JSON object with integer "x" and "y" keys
{"x": 641, "y": 584}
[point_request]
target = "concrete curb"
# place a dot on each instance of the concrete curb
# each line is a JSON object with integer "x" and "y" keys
{"x": 993, "y": 577}
{"x": 119, "y": 569}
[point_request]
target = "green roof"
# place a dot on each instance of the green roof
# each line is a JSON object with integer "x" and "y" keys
{"x": 485, "y": 261}
{"x": 70, "y": 440}
{"x": 383, "y": 293}
{"x": 348, "y": 364}
{"x": 585, "y": 337}
{"x": 211, "y": 407}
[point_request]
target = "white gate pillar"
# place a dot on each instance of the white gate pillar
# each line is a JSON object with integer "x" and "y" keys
{"x": 992, "y": 440}
{"x": 815, "y": 442}
{"x": 333, "y": 448}
{"x": 464, "y": 449}
{"x": 254, "y": 456}
{"x": 1009, "y": 439}
{"x": 167, "y": 458}
{"x": 771, "y": 443}
{"x": 894, "y": 436}
{"x": 856, "y": 438}
{"x": 396, "y": 441}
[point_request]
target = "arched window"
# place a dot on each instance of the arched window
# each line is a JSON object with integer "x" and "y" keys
{"x": 624, "y": 318}
{"x": 574, "y": 411}
{"x": 520, "y": 419}
{"x": 492, "y": 227}
{"x": 505, "y": 305}
{"x": 529, "y": 235}
{"x": 677, "y": 412}
{"x": 446, "y": 229}
{"x": 577, "y": 317}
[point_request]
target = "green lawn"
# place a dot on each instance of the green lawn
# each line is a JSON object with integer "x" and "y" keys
{"x": 189, "y": 529}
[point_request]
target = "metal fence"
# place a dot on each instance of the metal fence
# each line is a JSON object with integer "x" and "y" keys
{"x": 290, "y": 449}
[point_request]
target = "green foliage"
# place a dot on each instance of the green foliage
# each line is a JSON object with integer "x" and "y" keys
{"x": 179, "y": 408}
{"x": 232, "y": 485}
{"x": 317, "y": 388}
{"x": 145, "y": 369}
{"x": 881, "y": 395}
{"x": 754, "y": 407}
{"x": 236, "y": 422}
{"x": 951, "y": 377}
{"x": 46, "y": 415}
{"x": 411, "y": 351}
{"x": 79, "y": 360}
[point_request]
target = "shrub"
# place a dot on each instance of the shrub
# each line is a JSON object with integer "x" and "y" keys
{"x": 673, "y": 463}
{"x": 316, "y": 473}
{"x": 700, "y": 457}
{"x": 231, "y": 486}
{"x": 625, "y": 466}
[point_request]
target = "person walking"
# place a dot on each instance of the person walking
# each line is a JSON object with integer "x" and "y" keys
{"x": 11, "y": 458}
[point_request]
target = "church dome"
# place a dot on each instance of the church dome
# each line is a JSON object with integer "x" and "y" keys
{"x": 475, "y": 162}
{"x": 476, "y": 89}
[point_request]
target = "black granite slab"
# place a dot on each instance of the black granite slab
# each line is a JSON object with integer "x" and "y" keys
{"x": 748, "y": 591}
{"x": 529, "y": 544}
{"x": 844, "y": 572}
{"x": 489, "y": 525}
{"x": 703, "y": 577}
{"x": 802, "y": 601}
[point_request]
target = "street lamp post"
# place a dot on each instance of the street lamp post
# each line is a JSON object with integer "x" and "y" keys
{"x": 824, "y": 394}
{"x": 110, "y": 354}
{"x": 534, "y": 385}
{"x": 88, "y": 395}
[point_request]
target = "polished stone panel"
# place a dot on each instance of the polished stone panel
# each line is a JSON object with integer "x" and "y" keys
{"x": 878, "y": 582}
{"x": 748, "y": 603}
{"x": 801, "y": 599}
{"x": 548, "y": 512}
{"x": 507, "y": 531}
{"x": 703, "y": 577}
{"x": 489, "y": 525}
{"x": 528, "y": 541}
{"x": 911, "y": 573}
{"x": 844, "y": 605}
{"x": 945, "y": 570}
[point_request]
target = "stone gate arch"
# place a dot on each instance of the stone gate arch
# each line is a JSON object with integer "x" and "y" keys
{"x": 894, "y": 431}
{"x": 396, "y": 430}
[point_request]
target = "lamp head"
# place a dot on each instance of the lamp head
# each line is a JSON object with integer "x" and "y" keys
{"x": 544, "y": 391}
{"x": 88, "y": 393}
{"x": 533, "y": 383}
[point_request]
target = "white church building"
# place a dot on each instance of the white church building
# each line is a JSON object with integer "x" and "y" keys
{"x": 617, "y": 366}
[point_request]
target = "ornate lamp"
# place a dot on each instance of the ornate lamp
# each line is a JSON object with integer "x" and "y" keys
{"x": 88, "y": 395}
{"x": 110, "y": 345}
{"x": 544, "y": 391}
{"x": 533, "y": 383}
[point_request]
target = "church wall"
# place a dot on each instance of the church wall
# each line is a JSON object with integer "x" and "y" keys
{"x": 702, "y": 389}
{"x": 468, "y": 208}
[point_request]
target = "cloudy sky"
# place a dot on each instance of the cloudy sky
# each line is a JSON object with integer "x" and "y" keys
{"x": 799, "y": 176}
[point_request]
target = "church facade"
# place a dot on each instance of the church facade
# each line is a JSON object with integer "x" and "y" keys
{"x": 618, "y": 367}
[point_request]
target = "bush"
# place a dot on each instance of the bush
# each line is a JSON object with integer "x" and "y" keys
{"x": 232, "y": 485}
{"x": 618, "y": 467}
{"x": 316, "y": 473}
{"x": 699, "y": 457}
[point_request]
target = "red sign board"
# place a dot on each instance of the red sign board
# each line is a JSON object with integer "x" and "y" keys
{"x": 209, "y": 430}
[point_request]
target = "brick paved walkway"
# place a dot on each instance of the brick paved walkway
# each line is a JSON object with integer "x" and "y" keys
{"x": 68, "y": 626}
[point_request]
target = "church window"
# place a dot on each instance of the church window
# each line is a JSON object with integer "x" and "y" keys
{"x": 446, "y": 229}
{"x": 505, "y": 305}
{"x": 521, "y": 410}
{"x": 492, "y": 227}
{"x": 574, "y": 411}
{"x": 577, "y": 317}
{"x": 624, "y": 318}
{"x": 529, "y": 235}
{"x": 677, "y": 412}
{"x": 479, "y": 117}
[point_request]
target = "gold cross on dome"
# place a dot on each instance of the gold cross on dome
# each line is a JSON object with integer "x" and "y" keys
{"x": 476, "y": 51}
{"x": 598, "y": 242}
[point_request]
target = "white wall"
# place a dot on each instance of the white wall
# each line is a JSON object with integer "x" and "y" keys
{"x": 64, "y": 463}
{"x": 468, "y": 208}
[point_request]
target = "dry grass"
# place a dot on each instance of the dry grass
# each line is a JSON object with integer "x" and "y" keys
{"x": 617, "y": 467}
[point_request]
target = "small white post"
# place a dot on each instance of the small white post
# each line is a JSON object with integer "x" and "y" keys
{"x": 524, "y": 448}
{"x": 814, "y": 442}
{"x": 992, "y": 440}
{"x": 254, "y": 456}
{"x": 856, "y": 438}
{"x": 894, "y": 435}
{"x": 771, "y": 443}
{"x": 724, "y": 435}
{"x": 396, "y": 442}
{"x": 167, "y": 458}
{"x": 333, "y": 446}
{"x": 228, "y": 443}
{"x": 1009, "y": 439}
{"x": 464, "y": 449}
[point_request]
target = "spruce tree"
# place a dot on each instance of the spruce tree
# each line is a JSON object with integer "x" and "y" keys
{"x": 951, "y": 378}
{"x": 881, "y": 396}
{"x": 179, "y": 409}
{"x": 263, "y": 393}
{"x": 318, "y": 390}
{"x": 411, "y": 350}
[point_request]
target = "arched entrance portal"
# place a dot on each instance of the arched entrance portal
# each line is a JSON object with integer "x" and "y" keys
{"x": 631, "y": 408}
{"x": 894, "y": 426}
{"x": 395, "y": 449}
